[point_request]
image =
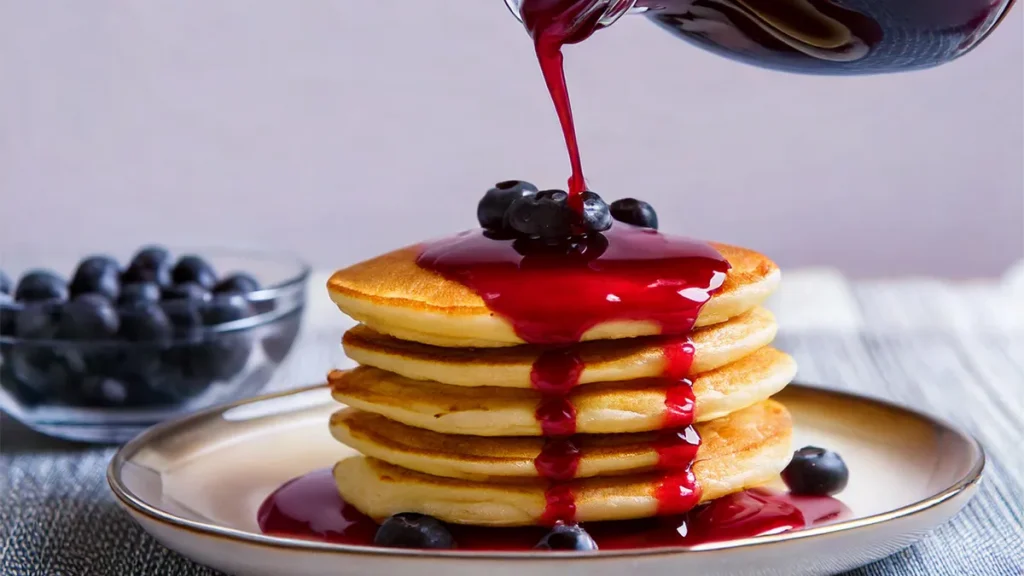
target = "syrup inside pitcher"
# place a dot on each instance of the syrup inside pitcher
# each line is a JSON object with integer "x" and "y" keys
{"x": 808, "y": 36}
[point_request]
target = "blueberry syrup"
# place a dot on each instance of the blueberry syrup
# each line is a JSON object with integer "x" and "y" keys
{"x": 553, "y": 295}
{"x": 558, "y": 460}
{"x": 555, "y": 373}
{"x": 553, "y": 24}
{"x": 310, "y": 508}
{"x": 557, "y": 416}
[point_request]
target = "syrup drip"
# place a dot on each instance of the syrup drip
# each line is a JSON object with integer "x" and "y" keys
{"x": 554, "y": 374}
{"x": 310, "y": 508}
{"x": 557, "y": 417}
{"x": 558, "y": 460}
{"x": 677, "y": 448}
{"x": 553, "y": 24}
{"x": 678, "y": 491}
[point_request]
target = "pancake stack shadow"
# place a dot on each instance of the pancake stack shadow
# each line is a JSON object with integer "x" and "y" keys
{"x": 514, "y": 435}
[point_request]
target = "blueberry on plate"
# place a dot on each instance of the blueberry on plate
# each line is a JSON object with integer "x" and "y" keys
{"x": 412, "y": 530}
{"x": 490, "y": 212}
{"x": 635, "y": 212}
{"x": 40, "y": 285}
{"x": 567, "y": 537}
{"x": 88, "y": 317}
{"x": 138, "y": 293}
{"x": 5, "y": 283}
{"x": 816, "y": 471}
{"x": 151, "y": 264}
{"x": 545, "y": 214}
{"x": 186, "y": 291}
{"x": 192, "y": 268}
{"x": 97, "y": 275}
{"x": 237, "y": 283}
{"x": 145, "y": 322}
{"x": 596, "y": 215}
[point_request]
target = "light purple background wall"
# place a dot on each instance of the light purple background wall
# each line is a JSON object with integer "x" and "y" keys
{"x": 341, "y": 128}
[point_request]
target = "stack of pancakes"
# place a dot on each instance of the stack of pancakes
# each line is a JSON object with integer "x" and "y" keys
{"x": 443, "y": 411}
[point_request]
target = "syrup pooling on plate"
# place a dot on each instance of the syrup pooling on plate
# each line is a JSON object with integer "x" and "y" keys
{"x": 310, "y": 508}
{"x": 554, "y": 294}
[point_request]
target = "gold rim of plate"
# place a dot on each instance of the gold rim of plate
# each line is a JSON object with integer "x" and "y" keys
{"x": 137, "y": 504}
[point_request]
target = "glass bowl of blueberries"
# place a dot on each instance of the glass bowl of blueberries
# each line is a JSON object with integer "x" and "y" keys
{"x": 111, "y": 349}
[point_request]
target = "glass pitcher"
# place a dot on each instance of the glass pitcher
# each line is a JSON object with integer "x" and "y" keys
{"x": 814, "y": 36}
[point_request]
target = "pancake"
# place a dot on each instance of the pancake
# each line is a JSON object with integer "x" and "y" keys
{"x": 393, "y": 295}
{"x": 604, "y": 361}
{"x": 601, "y": 408}
{"x": 484, "y": 458}
{"x": 379, "y": 489}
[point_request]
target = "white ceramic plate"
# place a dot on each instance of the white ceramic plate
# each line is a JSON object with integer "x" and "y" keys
{"x": 196, "y": 483}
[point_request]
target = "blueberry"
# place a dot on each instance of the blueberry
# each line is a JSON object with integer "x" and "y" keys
{"x": 490, "y": 212}
{"x": 39, "y": 285}
{"x": 143, "y": 375}
{"x": 221, "y": 357}
{"x": 138, "y": 293}
{"x": 5, "y": 283}
{"x": 186, "y": 317}
{"x": 186, "y": 291}
{"x": 567, "y": 537}
{"x": 411, "y": 530}
{"x": 815, "y": 471}
{"x": 282, "y": 336}
{"x": 226, "y": 308}
{"x": 88, "y": 317}
{"x": 596, "y": 216}
{"x": 145, "y": 322}
{"x": 33, "y": 373}
{"x": 192, "y": 268}
{"x": 7, "y": 315}
{"x": 99, "y": 390}
{"x": 182, "y": 375}
{"x": 545, "y": 214}
{"x": 25, "y": 393}
{"x": 97, "y": 275}
{"x": 151, "y": 264}
{"x": 635, "y": 212}
{"x": 237, "y": 283}
{"x": 151, "y": 257}
{"x": 37, "y": 321}
{"x": 36, "y": 371}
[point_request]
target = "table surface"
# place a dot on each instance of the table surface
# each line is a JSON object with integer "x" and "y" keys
{"x": 953, "y": 349}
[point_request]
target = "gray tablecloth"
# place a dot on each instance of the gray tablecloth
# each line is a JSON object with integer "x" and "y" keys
{"x": 947, "y": 351}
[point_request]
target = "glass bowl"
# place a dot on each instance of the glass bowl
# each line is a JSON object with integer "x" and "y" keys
{"x": 107, "y": 391}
